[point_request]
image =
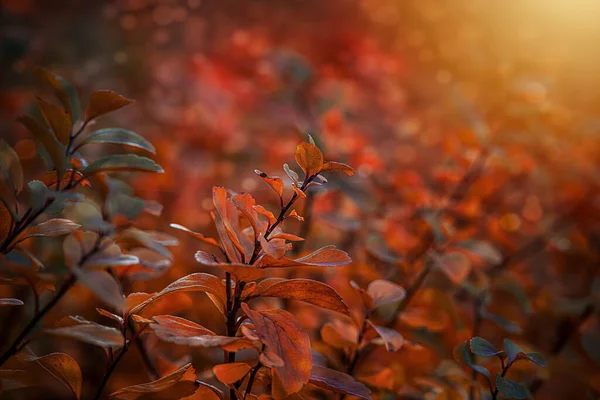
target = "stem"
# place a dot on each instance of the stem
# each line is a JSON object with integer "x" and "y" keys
{"x": 504, "y": 371}
{"x": 411, "y": 292}
{"x": 251, "y": 379}
{"x": 109, "y": 372}
{"x": 139, "y": 343}
{"x": 477, "y": 319}
{"x": 305, "y": 227}
{"x": 67, "y": 284}
{"x": 280, "y": 219}
{"x": 236, "y": 303}
{"x": 15, "y": 346}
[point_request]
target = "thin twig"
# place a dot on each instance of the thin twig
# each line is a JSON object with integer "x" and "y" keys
{"x": 67, "y": 284}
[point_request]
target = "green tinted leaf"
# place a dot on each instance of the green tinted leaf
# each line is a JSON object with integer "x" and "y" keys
{"x": 119, "y": 136}
{"x": 54, "y": 148}
{"x": 511, "y": 389}
{"x": 483, "y": 249}
{"x": 590, "y": 341}
{"x": 38, "y": 194}
{"x": 537, "y": 358}
{"x": 125, "y": 205}
{"x": 508, "y": 325}
{"x": 127, "y": 162}
{"x": 512, "y": 351}
{"x": 482, "y": 347}
{"x": 103, "y": 285}
{"x": 464, "y": 351}
{"x": 10, "y": 165}
{"x": 85, "y": 331}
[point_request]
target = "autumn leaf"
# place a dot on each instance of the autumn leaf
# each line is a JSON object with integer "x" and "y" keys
{"x": 309, "y": 158}
{"x": 283, "y": 335}
{"x": 263, "y": 211}
{"x": 232, "y": 372}
{"x": 308, "y": 291}
{"x": 338, "y": 382}
{"x": 242, "y": 272}
{"x": 456, "y": 266}
{"x": 195, "y": 235}
{"x": 54, "y": 148}
{"x": 64, "y": 92}
{"x": 336, "y": 166}
{"x": 86, "y": 331}
{"x": 169, "y": 325}
{"x": 104, "y": 101}
{"x": 385, "y": 292}
{"x": 184, "y": 332}
{"x": 340, "y": 334}
{"x": 275, "y": 182}
{"x": 61, "y": 366}
{"x": 134, "y": 392}
{"x": 327, "y": 256}
{"x": 10, "y": 166}
{"x": 198, "y": 282}
{"x": 5, "y": 221}
{"x": 58, "y": 119}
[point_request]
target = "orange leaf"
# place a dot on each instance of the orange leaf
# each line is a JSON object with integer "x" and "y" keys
{"x": 133, "y": 392}
{"x": 242, "y": 272}
{"x": 294, "y": 214}
{"x": 456, "y": 266}
{"x": 195, "y": 235}
{"x": 338, "y": 382}
{"x": 58, "y": 119}
{"x": 275, "y": 182}
{"x": 198, "y": 282}
{"x": 299, "y": 192}
{"x": 336, "y": 166}
{"x": 270, "y": 359}
{"x": 385, "y": 292}
{"x": 169, "y": 325}
{"x": 5, "y": 221}
{"x": 187, "y": 333}
{"x": 364, "y": 295}
{"x": 327, "y": 256}
{"x": 261, "y": 210}
{"x": 287, "y": 236}
{"x": 232, "y": 372}
{"x": 340, "y": 334}
{"x": 282, "y": 334}
{"x": 61, "y": 366}
{"x": 308, "y": 291}
{"x": 309, "y": 158}
{"x": 104, "y": 101}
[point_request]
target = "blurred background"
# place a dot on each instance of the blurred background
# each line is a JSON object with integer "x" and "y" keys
{"x": 409, "y": 93}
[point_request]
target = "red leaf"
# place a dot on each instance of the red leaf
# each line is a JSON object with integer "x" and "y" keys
{"x": 283, "y": 335}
